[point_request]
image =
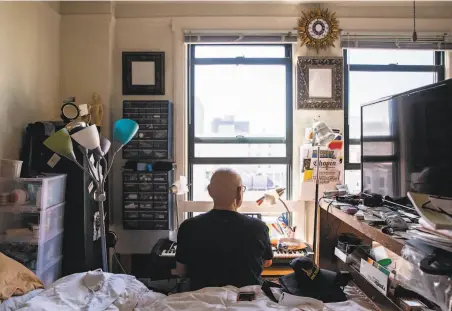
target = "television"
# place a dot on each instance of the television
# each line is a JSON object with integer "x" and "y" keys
{"x": 406, "y": 143}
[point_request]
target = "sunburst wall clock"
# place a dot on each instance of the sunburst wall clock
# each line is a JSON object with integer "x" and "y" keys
{"x": 318, "y": 29}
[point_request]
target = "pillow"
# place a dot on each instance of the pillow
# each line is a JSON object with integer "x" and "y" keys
{"x": 15, "y": 279}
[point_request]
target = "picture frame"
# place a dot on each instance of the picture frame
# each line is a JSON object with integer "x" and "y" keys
{"x": 143, "y": 73}
{"x": 320, "y": 83}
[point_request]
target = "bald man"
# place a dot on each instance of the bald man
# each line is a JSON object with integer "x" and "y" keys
{"x": 223, "y": 247}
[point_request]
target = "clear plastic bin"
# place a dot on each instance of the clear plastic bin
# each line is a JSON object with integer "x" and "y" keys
{"x": 52, "y": 273}
{"x": 42, "y": 225}
{"x": 51, "y": 222}
{"x": 40, "y": 192}
{"x": 49, "y": 252}
{"x": 52, "y": 190}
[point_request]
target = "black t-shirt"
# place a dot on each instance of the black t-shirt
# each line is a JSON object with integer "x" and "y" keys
{"x": 223, "y": 248}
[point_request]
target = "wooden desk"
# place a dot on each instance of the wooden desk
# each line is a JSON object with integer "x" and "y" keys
{"x": 276, "y": 271}
{"x": 372, "y": 233}
{"x": 334, "y": 222}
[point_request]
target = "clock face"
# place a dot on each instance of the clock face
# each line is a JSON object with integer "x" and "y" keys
{"x": 318, "y": 28}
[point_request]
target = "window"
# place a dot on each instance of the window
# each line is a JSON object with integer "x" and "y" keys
{"x": 370, "y": 74}
{"x": 240, "y": 116}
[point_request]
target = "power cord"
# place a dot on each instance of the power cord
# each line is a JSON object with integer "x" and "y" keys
{"x": 117, "y": 260}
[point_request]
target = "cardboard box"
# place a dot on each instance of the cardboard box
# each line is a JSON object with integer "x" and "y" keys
{"x": 377, "y": 275}
{"x": 341, "y": 255}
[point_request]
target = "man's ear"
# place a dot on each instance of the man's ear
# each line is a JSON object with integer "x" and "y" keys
{"x": 239, "y": 194}
{"x": 208, "y": 190}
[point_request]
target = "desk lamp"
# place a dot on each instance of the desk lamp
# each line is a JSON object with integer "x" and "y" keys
{"x": 323, "y": 137}
{"x": 271, "y": 197}
{"x": 89, "y": 140}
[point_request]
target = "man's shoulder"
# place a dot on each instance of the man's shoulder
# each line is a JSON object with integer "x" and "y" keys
{"x": 253, "y": 222}
{"x": 194, "y": 220}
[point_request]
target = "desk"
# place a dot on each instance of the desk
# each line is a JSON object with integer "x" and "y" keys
{"x": 334, "y": 222}
{"x": 277, "y": 271}
{"x": 372, "y": 233}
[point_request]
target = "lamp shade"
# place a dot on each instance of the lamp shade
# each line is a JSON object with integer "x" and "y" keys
{"x": 323, "y": 134}
{"x": 102, "y": 149}
{"x": 60, "y": 142}
{"x": 271, "y": 196}
{"x": 124, "y": 130}
{"x": 88, "y": 137}
{"x": 105, "y": 145}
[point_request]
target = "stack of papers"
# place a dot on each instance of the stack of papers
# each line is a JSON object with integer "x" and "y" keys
{"x": 435, "y": 219}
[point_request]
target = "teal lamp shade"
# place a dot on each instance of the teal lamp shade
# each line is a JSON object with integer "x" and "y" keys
{"x": 124, "y": 130}
{"x": 61, "y": 143}
{"x": 88, "y": 137}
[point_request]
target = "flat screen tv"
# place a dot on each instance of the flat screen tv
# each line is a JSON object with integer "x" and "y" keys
{"x": 406, "y": 142}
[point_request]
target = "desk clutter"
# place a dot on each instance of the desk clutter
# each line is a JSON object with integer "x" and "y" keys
{"x": 147, "y": 201}
{"x": 423, "y": 274}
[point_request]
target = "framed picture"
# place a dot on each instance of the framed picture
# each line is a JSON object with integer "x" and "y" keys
{"x": 143, "y": 73}
{"x": 320, "y": 83}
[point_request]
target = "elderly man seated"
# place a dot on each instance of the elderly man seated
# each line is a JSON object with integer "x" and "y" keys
{"x": 223, "y": 247}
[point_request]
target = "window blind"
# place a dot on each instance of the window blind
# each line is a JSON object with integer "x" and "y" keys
{"x": 369, "y": 40}
{"x": 245, "y": 37}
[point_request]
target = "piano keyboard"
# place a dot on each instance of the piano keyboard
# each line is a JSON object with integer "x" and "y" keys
{"x": 171, "y": 252}
{"x": 277, "y": 253}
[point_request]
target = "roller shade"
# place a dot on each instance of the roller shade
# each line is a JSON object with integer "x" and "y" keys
{"x": 369, "y": 40}
{"x": 240, "y": 37}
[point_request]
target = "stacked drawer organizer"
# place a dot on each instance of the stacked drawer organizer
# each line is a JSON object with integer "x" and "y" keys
{"x": 154, "y": 139}
{"x": 147, "y": 204}
{"x": 42, "y": 249}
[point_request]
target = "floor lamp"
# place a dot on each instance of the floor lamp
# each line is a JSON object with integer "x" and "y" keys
{"x": 323, "y": 135}
{"x": 90, "y": 143}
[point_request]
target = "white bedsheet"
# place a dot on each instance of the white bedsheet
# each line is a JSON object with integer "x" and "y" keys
{"x": 91, "y": 291}
{"x": 98, "y": 291}
{"x": 225, "y": 298}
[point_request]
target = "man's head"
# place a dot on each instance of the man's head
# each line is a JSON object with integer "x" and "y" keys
{"x": 226, "y": 189}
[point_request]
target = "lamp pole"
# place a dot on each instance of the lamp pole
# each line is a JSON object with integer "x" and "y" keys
{"x": 100, "y": 197}
{"x": 316, "y": 203}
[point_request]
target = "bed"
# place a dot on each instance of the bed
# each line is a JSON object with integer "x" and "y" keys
{"x": 98, "y": 291}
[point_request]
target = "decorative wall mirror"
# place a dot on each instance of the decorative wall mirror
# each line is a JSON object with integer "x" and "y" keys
{"x": 320, "y": 82}
{"x": 143, "y": 73}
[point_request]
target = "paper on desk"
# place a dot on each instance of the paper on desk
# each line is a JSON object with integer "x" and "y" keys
{"x": 434, "y": 240}
{"x": 370, "y": 218}
{"x": 363, "y": 207}
{"x": 434, "y": 219}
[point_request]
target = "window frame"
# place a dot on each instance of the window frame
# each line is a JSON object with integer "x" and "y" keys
{"x": 288, "y": 140}
{"x": 438, "y": 67}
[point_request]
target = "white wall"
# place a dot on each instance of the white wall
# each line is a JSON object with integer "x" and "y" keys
{"x": 135, "y": 34}
{"x": 159, "y": 27}
{"x": 86, "y": 60}
{"x": 29, "y": 69}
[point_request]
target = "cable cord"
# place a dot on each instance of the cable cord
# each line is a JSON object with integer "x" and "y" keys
{"x": 117, "y": 260}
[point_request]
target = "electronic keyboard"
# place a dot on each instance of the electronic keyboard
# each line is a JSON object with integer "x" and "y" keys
{"x": 280, "y": 256}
